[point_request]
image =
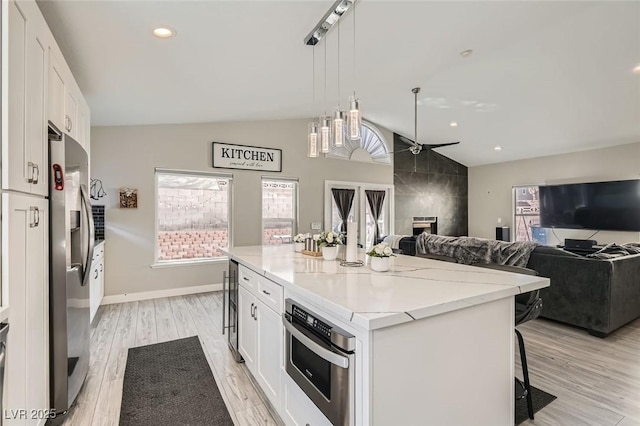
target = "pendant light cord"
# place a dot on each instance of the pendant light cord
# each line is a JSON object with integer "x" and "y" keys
{"x": 313, "y": 83}
{"x": 338, "y": 65}
{"x": 324, "y": 103}
{"x": 415, "y": 117}
{"x": 354, "y": 49}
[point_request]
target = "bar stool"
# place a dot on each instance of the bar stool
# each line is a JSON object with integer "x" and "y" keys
{"x": 528, "y": 307}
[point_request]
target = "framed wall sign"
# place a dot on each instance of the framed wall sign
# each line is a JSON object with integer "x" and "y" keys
{"x": 228, "y": 156}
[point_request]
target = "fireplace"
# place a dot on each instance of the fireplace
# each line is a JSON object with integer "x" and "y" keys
{"x": 428, "y": 224}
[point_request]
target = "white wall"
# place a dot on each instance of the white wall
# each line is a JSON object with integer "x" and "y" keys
{"x": 126, "y": 157}
{"x": 490, "y": 195}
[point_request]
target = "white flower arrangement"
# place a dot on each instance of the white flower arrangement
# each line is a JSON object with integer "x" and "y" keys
{"x": 381, "y": 250}
{"x": 300, "y": 238}
{"x": 330, "y": 239}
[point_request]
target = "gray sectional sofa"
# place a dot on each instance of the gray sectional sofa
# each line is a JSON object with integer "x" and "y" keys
{"x": 599, "y": 295}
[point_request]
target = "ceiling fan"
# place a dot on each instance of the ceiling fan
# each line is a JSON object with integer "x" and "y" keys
{"x": 414, "y": 146}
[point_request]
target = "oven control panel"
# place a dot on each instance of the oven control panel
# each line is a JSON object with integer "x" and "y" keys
{"x": 311, "y": 322}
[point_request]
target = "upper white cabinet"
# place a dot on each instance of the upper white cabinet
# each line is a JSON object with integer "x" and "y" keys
{"x": 56, "y": 90}
{"x": 68, "y": 110}
{"x": 24, "y": 142}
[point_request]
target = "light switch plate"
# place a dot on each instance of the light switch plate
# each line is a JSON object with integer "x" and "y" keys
{"x": 316, "y": 225}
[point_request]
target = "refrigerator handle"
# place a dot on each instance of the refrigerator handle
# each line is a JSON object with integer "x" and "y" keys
{"x": 224, "y": 298}
{"x": 90, "y": 234}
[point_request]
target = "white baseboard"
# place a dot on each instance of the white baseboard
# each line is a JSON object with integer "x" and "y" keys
{"x": 146, "y": 295}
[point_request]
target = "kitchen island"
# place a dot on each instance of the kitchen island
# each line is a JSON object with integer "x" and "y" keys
{"x": 434, "y": 340}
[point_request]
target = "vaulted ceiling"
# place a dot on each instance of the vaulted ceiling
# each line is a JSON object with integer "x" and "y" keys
{"x": 544, "y": 77}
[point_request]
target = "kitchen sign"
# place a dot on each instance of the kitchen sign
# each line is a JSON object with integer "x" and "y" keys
{"x": 228, "y": 156}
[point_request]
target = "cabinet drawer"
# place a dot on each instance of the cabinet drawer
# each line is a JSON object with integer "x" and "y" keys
{"x": 249, "y": 279}
{"x": 270, "y": 294}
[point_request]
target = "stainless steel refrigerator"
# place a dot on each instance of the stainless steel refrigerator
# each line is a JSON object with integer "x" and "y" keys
{"x": 71, "y": 252}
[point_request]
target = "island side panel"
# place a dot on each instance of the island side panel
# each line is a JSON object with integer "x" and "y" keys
{"x": 451, "y": 369}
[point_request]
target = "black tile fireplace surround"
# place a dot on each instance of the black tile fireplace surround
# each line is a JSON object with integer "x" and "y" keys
{"x": 438, "y": 187}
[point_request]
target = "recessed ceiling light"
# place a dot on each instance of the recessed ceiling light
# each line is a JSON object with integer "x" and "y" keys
{"x": 466, "y": 53}
{"x": 497, "y": 148}
{"x": 453, "y": 124}
{"x": 636, "y": 70}
{"x": 164, "y": 32}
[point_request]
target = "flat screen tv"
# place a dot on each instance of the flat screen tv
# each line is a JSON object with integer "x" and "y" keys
{"x": 613, "y": 206}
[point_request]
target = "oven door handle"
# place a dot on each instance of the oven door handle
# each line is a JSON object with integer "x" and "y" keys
{"x": 323, "y": 353}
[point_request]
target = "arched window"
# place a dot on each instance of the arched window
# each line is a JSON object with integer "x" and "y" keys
{"x": 370, "y": 148}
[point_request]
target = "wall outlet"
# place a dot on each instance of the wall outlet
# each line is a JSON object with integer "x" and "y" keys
{"x": 316, "y": 226}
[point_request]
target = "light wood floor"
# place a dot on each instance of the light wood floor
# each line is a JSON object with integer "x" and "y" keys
{"x": 119, "y": 327}
{"x": 597, "y": 381}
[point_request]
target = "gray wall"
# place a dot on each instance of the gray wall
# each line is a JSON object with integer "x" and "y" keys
{"x": 126, "y": 157}
{"x": 437, "y": 187}
{"x": 490, "y": 187}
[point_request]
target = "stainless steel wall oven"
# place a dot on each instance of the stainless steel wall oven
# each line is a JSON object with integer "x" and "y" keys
{"x": 320, "y": 358}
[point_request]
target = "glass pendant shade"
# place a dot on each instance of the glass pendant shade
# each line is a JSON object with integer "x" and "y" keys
{"x": 354, "y": 120}
{"x": 313, "y": 140}
{"x": 325, "y": 135}
{"x": 338, "y": 128}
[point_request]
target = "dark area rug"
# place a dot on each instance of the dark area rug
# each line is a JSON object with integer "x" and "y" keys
{"x": 540, "y": 400}
{"x": 171, "y": 384}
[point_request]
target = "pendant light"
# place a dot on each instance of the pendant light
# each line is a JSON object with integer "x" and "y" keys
{"x": 338, "y": 118}
{"x": 325, "y": 121}
{"x": 354, "y": 117}
{"x": 312, "y": 137}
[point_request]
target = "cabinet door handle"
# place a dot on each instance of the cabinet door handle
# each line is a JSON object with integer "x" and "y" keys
{"x": 36, "y": 173}
{"x": 67, "y": 121}
{"x": 252, "y": 311}
{"x": 35, "y": 217}
{"x": 255, "y": 313}
{"x": 30, "y": 172}
{"x": 96, "y": 271}
{"x": 245, "y": 278}
{"x": 266, "y": 292}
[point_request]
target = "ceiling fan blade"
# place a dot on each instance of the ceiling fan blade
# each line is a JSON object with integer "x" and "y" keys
{"x": 440, "y": 145}
{"x": 402, "y": 150}
{"x": 407, "y": 140}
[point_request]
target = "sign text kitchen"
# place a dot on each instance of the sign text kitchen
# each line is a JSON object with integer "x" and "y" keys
{"x": 228, "y": 156}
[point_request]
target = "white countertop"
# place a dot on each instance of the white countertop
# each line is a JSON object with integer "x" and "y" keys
{"x": 414, "y": 288}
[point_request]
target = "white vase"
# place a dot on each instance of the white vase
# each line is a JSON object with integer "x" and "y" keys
{"x": 330, "y": 253}
{"x": 298, "y": 247}
{"x": 379, "y": 264}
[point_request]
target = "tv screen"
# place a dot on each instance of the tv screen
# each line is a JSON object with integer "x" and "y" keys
{"x": 613, "y": 206}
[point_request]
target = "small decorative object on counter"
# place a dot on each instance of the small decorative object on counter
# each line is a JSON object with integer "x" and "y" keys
{"x": 299, "y": 242}
{"x": 329, "y": 242}
{"x": 379, "y": 257}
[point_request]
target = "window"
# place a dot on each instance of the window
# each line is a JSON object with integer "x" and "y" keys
{"x": 192, "y": 215}
{"x": 279, "y": 210}
{"x": 360, "y": 210}
{"x": 371, "y": 147}
{"x": 527, "y": 214}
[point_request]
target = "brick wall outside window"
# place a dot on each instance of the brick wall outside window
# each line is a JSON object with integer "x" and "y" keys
{"x": 193, "y": 217}
{"x": 278, "y": 211}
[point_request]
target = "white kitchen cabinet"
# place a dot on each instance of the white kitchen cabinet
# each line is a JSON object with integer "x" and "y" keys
{"x": 247, "y": 326}
{"x": 71, "y": 112}
{"x": 56, "y": 90}
{"x": 84, "y": 125}
{"x": 96, "y": 285}
{"x": 25, "y": 231}
{"x": 24, "y": 142}
{"x": 261, "y": 336}
{"x": 297, "y": 408}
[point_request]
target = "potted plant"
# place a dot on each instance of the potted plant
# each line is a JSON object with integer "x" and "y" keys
{"x": 329, "y": 242}
{"x": 298, "y": 242}
{"x": 379, "y": 257}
